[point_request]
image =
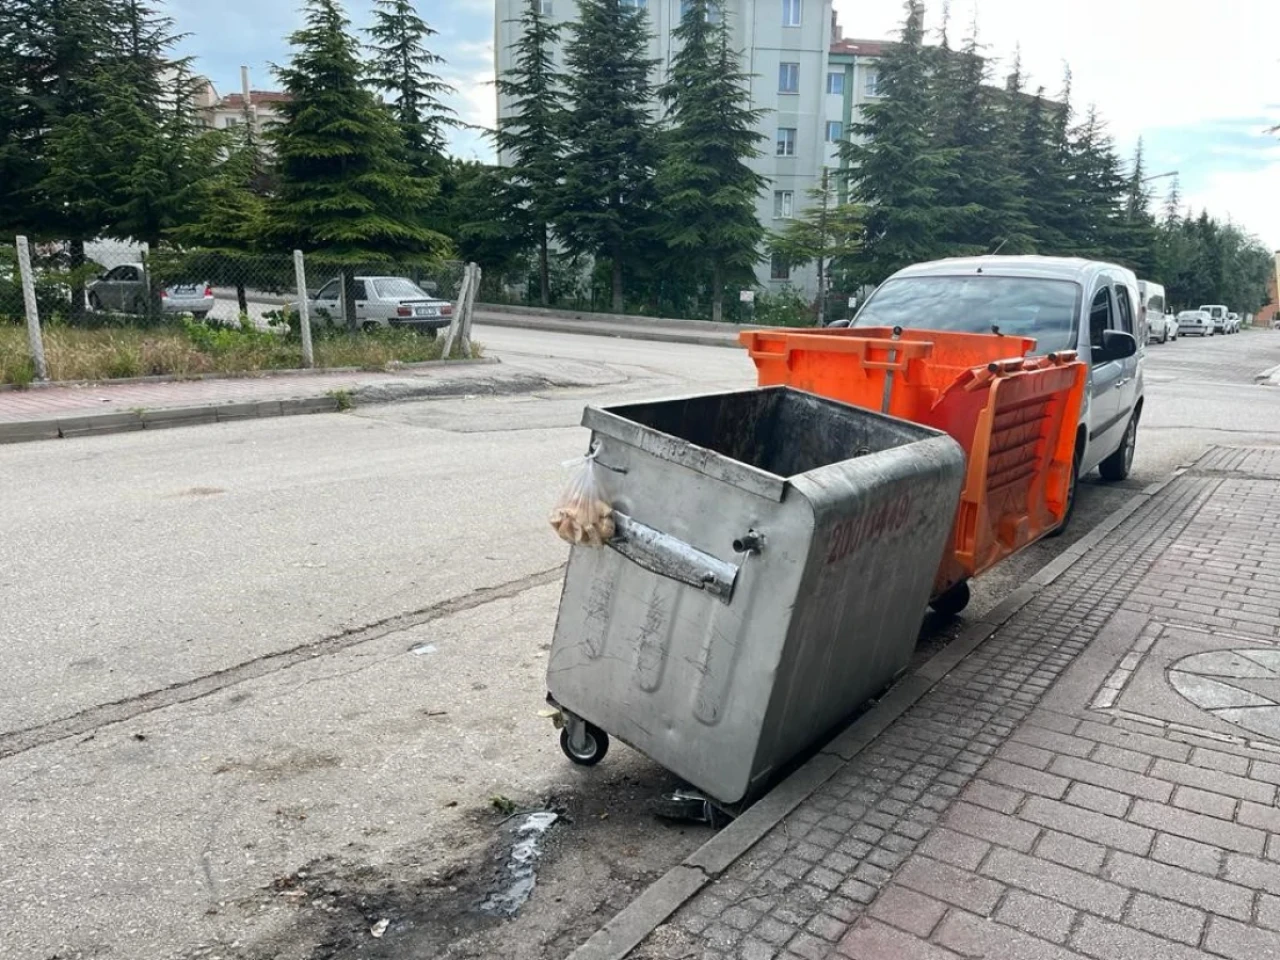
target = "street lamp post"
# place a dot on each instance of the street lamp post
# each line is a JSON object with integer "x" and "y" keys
{"x": 1159, "y": 176}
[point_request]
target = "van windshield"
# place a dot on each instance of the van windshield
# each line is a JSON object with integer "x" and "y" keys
{"x": 1016, "y": 306}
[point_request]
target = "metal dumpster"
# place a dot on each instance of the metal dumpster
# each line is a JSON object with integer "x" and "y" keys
{"x": 773, "y": 559}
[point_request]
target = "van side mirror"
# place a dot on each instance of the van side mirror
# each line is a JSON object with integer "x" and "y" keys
{"x": 1116, "y": 345}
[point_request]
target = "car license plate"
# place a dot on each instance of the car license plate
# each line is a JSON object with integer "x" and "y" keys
{"x": 185, "y": 291}
{"x": 425, "y": 311}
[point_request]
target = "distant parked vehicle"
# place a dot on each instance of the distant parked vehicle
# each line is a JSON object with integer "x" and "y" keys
{"x": 1151, "y": 312}
{"x": 1196, "y": 322}
{"x": 1218, "y": 313}
{"x": 125, "y": 289}
{"x": 1233, "y": 321}
{"x": 1171, "y": 326}
{"x": 381, "y": 302}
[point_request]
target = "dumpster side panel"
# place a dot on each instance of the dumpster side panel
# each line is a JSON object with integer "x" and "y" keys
{"x": 881, "y": 526}
{"x": 662, "y": 665}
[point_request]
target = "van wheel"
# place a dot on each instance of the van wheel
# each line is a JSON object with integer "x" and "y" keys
{"x": 952, "y": 601}
{"x": 1117, "y": 466}
{"x": 1061, "y": 528}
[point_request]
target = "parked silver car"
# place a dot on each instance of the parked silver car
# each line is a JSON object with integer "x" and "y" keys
{"x": 381, "y": 302}
{"x": 125, "y": 289}
{"x": 1196, "y": 322}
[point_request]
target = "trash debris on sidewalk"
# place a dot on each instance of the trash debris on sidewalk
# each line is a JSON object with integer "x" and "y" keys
{"x": 520, "y": 871}
{"x": 690, "y": 806}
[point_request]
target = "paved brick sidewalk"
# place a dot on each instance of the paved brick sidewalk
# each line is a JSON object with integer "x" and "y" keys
{"x": 1099, "y": 779}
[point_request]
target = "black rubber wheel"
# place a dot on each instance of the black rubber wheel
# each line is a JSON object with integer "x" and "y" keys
{"x": 597, "y": 746}
{"x": 953, "y": 600}
{"x": 1072, "y": 489}
{"x": 1117, "y": 466}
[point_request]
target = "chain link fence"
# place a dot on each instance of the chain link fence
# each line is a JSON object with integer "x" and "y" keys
{"x": 217, "y": 301}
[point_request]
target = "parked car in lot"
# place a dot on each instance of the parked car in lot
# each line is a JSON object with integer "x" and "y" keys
{"x": 1218, "y": 313}
{"x": 126, "y": 289}
{"x": 381, "y": 302}
{"x": 1233, "y": 323}
{"x": 1154, "y": 323}
{"x": 1065, "y": 304}
{"x": 1196, "y": 322}
{"x": 1171, "y": 326}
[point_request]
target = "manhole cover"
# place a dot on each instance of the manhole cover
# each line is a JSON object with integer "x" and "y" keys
{"x": 1238, "y": 686}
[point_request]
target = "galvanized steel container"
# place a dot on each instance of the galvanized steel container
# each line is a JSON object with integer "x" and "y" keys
{"x": 774, "y": 556}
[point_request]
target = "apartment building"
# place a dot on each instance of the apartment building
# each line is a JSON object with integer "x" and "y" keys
{"x": 804, "y": 73}
{"x": 222, "y": 112}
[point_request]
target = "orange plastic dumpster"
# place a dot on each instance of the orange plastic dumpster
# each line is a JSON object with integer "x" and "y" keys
{"x": 1014, "y": 415}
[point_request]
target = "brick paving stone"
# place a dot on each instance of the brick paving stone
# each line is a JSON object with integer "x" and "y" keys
{"x": 1071, "y": 851}
{"x": 1262, "y": 816}
{"x": 1215, "y": 781}
{"x": 1125, "y": 759}
{"x": 1202, "y": 801}
{"x": 992, "y": 796}
{"x": 1166, "y": 919}
{"x": 1086, "y": 824}
{"x": 954, "y": 848}
{"x": 1099, "y": 799}
{"x": 908, "y": 910}
{"x": 871, "y": 940}
{"x": 1195, "y": 826}
{"x": 1174, "y": 883}
{"x": 1055, "y": 882}
{"x": 951, "y": 885}
{"x": 1240, "y": 942}
{"x": 972, "y": 936}
{"x": 1217, "y": 760}
{"x": 1112, "y": 941}
{"x": 1025, "y": 778}
{"x": 1251, "y": 872}
{"x": 1036, "y": 915}
{"x": 991, "y": 826}
{"x": 1122, "y": 781}
{"x": 1191, "y": 854}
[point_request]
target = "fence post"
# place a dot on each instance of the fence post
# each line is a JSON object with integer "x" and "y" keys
{"x": 472, "y": 290}
{"x": 34, "y": 338}
{"x": 455, "y": 321}
{"x": 304, "y": 312}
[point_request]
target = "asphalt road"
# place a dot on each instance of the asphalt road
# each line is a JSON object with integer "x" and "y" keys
{"x": 269, "y": 683}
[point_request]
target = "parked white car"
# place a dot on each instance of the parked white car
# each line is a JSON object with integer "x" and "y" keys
{"x": 1197, "y": 322}
{"x": 1065, "y": 304}
{"x": 1233, "y": 323}
{"x": 125, "y": 289}
{"x": 1218, "y": 313}
{"x": 1155, "y": 326}
{"x": 1171, "y": 326}
{"x": 381, "y": 302}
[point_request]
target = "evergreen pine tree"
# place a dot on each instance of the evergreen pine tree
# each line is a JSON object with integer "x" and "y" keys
{"x": 528, "y": 138}
{"x": 606, "y": 196}
{"x": 402, "y": 66}
{"x": 1099, "y": 183}
{"x": 707, "y": 216}
{"x": 344, "y": 189}
{"x": 982, "y": 186}
{"x": 828, "y": 232}
{"x": 895, "y": 166}
{"x": 1137, "y": 234}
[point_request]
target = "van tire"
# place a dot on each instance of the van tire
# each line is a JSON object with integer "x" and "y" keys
{"x": 1072, "y": 491}
{"x": 1117, "y": 466}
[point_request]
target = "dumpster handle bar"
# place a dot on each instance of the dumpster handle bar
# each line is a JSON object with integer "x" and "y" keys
{"x": 671, "y": 557}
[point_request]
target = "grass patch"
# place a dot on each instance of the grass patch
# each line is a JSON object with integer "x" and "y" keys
{"x": 190, "y": 349}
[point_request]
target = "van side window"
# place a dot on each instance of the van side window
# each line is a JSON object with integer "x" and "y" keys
{"x": 1099, "y": 317}
{"x": 1124, "y": 306}
{"x": 1156, "y": 305}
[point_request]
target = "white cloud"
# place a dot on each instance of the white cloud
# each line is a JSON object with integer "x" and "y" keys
{"x": 1254, "y": 195}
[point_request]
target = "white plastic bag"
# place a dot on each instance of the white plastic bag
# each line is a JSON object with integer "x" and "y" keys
{"x": 583, "y": 515}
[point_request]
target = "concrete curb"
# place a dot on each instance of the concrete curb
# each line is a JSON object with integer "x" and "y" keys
{"x": 94, "y": 424}
{"x": 668, "y": 893}
{"x": 258, "y": 375}
{"x": 1269, "y": 377}
{"x": 602, "y": 329}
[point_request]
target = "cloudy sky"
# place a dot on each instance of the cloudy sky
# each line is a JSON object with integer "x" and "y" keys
{"x": 1199, "y": 82}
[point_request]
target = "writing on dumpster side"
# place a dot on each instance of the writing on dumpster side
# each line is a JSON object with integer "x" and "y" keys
{"x": 869, "y": 526}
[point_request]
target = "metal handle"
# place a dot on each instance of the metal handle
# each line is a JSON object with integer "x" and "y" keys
{"x": 670, "y": 557}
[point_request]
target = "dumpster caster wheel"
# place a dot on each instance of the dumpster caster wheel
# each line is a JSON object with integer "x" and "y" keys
{"x": 590, "y": 750}
{"x": 952, "y": 601}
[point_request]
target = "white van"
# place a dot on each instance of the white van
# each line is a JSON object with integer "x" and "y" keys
{"x": 1155, "y": 322}
{"x": 1065, "y": 304}
{"x": 1218, "y": 314}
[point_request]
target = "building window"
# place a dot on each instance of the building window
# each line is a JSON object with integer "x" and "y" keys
{"x": 786, "y": 141}
{"x": 835, "y": 81}
{"x": 233, "y": 121}
{"x": 713, "y": 8}
{"x": 873, "y": 83}
{"x": 791, "y": 13}
{"x": 779, "y": 269}
{"x": 544, "y": 7}
{"x": 782, "y": 204}
{"x": 788, "y": 78}
{"x": 644, "y": 5}
{"x": 835, "y": 129}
